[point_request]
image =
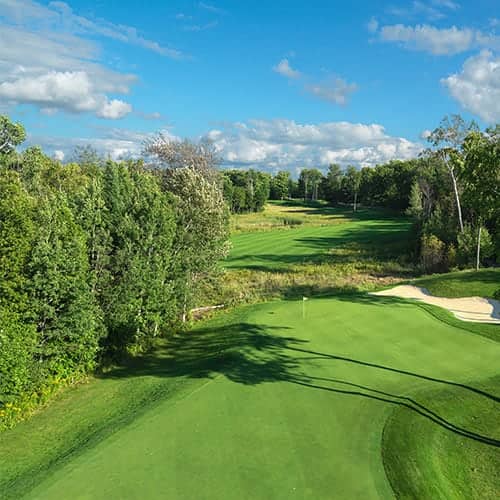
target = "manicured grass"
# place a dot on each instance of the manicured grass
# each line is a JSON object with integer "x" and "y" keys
{"x": 282, "y": 400}
{"x": 424, "y": 460}
{"x": 369, "y": 233}
{"x": 482, "y": 283}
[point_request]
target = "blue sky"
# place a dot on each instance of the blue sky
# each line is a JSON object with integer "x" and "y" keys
{"x": 278, "y": 84}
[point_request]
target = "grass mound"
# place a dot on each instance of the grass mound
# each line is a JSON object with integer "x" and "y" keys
{"x": 427, "y": 461}
{"x": 482, "y": 283}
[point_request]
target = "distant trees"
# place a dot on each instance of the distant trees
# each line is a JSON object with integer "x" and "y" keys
{"x": 246, "y": 190}
{"x": 310, "y": 180}
{"x": 280, "y": 186}
{"x": 332, "y": 184}
{"x": 350, "y": 184}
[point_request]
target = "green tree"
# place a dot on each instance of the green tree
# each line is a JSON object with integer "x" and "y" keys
{"x": 333, "y": 183}
{"x": 280, "y": 185}
{"x": 481, "y": 178}
{"x": 17, "y": 232}
{"x": 11, "y": 135}
{"x": 202, "y": 230}
{"x": 18, "y": 372}
{"x": 310, "y": 180}
{"x": 137, "y": 286}
{"x": 351, "y": 182}
{"x": 61, "y": 302}
{"x": 447, "y": 140}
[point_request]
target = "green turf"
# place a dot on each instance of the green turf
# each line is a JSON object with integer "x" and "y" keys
{"x": 482, "y": 283}
{"x": 376, "y": 232}
{"x": 282, "y": 400}
{"x": 424, "y": 460}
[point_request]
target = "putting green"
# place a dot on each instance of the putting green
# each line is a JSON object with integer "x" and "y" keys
{"x": 294, "y": 406}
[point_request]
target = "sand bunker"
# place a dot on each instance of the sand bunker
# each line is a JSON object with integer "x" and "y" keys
{"x": 475, "y": 309}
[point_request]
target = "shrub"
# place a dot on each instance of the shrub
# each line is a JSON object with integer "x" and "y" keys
{"x": 432, "y": 253}
{"x": 451, "y": 257}
{"x": 467, "y": 246}
{"x": 17, "y": 344}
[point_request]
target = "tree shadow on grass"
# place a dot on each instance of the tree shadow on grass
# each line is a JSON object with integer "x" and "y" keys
{"x": 380, "y": 242}
{"x": 252, "y": 354}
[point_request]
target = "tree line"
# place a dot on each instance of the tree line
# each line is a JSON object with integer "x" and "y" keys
{"x": 97, "y": 258}
{"x": 452, "y": 192}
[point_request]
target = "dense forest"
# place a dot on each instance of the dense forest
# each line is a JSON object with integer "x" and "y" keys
{"x": 97, "y": 257}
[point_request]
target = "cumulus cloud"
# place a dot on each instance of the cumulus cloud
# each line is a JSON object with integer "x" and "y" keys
{"x": 49, "y": 58}
{"x": 71, "y": 91}
{"x": 284, "y": 68}
{"x": 336, "y": 90}
{"x": 477, "y": 86}
{"x": 286, "y": 144}
{"x": 437, "y": 41}
{"x": 59, "y": 155}
{"x": 115, "y": 143}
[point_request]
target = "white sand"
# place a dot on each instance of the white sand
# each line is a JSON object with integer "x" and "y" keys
{"x": 475, "y": 309}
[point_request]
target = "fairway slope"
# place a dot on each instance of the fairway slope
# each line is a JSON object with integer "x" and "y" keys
{"x": 292, "y": 399}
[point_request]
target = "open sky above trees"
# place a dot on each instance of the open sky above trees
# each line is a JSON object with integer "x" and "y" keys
{"x": 274, "y": 86}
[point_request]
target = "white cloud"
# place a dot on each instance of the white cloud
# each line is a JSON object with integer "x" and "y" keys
{"x": 284, "y": 68}
{"x": 114, "y": 109}
{"x": 286, "y": 144}
{"x": 70, "y": 91}
{"x": 425, "y": 134}
{"x": 53, "y": 69}
{"x": 200, "y": 27}
{"x": 60, "y": 16}
{"x": 432, "y": 10}
{"x": 449, "y": 4}
{"x": 59, "y": 155}
{"x": 211, "y": 8}
{"x": 477, "y": 86}
{"x": 337, "y": 91}
{"x": 116, "y": 143}
{"x": 437, "y": 41}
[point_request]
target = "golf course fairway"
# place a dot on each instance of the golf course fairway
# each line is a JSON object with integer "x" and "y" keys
{"x": 291, "y": 400}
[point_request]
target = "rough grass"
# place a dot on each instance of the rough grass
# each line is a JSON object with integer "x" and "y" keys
{"x": 482, "y": 283}
{"x": 289, "y": 214}
{"x": 291, "y": 399}
{"x": 331, "y": 250}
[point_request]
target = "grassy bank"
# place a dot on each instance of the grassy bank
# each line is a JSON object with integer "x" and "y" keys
{"x": 482, "y": 283}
